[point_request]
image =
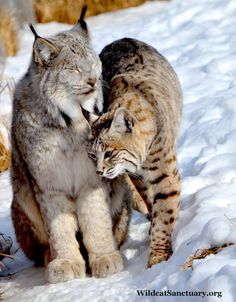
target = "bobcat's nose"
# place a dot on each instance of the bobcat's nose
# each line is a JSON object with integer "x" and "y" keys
{"x": 92, "y": 82}
{"x": 99, "y": 172}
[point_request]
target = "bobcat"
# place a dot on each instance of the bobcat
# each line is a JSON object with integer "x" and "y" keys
{"x": 137, "y": 135}
{"x": 56, "y": 191}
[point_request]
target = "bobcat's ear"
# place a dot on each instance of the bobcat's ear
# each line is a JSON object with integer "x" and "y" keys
{"x": 43, "y": 49}
{"x": 81, "y": 25}
{"x": 123, "y": 121}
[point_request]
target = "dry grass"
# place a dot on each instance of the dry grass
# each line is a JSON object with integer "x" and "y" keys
{"x": 6, "y": 249}
{"x": 5, "y": 157}
{"x": 201, "y": 254}
{"x": 8, "y": 31}
{"x": 99, "y": 6}
{"x": 68, "y": 11}
{"x": 1, "y": 295}
{"x": 6, "y": 86}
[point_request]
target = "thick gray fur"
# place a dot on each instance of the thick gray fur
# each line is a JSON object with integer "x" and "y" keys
{"x": 56, "y": 191}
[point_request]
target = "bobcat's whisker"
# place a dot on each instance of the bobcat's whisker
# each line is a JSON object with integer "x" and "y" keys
{"x": 110, "y": 171}
{"x": 135, "y": 176}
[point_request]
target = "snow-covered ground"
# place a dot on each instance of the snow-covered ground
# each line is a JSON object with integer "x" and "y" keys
{"x": 199, "y": 39}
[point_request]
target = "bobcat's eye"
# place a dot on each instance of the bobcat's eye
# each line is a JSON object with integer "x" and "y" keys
{"x": 92, "y": 156}
{"x": 108, "y": 154}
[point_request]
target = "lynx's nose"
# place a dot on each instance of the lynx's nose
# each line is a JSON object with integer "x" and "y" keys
{"x": 92, "y": 82}
{"x": 99, "y": 172}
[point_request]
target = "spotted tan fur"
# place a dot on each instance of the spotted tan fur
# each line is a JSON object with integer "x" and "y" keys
{"x": 137, "y": 135}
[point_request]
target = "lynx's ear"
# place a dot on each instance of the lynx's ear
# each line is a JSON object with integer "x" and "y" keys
{"x": 44, "y": 50}
{"x": 123, "y": 122}
{"x": 81, "y": 25}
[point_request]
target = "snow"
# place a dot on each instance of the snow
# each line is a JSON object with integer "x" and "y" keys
{"x": 198, "y": 38}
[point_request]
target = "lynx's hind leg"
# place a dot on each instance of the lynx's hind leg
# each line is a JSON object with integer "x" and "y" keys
{"x": 26, "y": 216}
{"x": 29, "y": 230}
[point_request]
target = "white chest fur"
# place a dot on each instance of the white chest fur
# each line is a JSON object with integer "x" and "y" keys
{"x": 65, "y": 165}
{"x": 73, "y": 172}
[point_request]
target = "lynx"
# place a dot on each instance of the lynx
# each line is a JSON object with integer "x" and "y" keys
{"x": 57, "y": 194}
{"x": 137, "y": 135}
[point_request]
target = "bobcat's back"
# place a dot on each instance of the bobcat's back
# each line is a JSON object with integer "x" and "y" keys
{"x": 146, "y": 70}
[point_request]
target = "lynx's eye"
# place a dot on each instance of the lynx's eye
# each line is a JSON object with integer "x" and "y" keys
{"x": 108, "y": 154}
{"x": 78, "y": 71}
{"x": 74, "y": 70}
{"x": 92, "y": 156}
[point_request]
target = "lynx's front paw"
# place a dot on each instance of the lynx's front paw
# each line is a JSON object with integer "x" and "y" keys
{"x": 107, "y": 264}
{"x": 61, "y": 270}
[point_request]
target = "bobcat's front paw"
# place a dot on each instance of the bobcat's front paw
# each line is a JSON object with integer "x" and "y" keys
{"x": 107, "y": 264}
{"x": 158, "y": 256}
{"x": 61, "y": 270}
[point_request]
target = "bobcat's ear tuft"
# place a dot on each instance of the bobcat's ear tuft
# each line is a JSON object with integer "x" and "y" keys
{"x": 123, "y": 121}
{"x": 44, "y": 51}
{"x": 81, "y": 25}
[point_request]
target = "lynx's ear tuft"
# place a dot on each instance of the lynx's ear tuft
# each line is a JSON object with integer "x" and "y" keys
{"x": 44, "y": 51}
{"x": 36, "y": 36}
{"x": 81, "y": 25}
{"x": 81, "y": 18}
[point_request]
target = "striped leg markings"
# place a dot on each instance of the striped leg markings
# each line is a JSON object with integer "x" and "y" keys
{"x": 163, "y": 187}
{"x": 164, "y": 215}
